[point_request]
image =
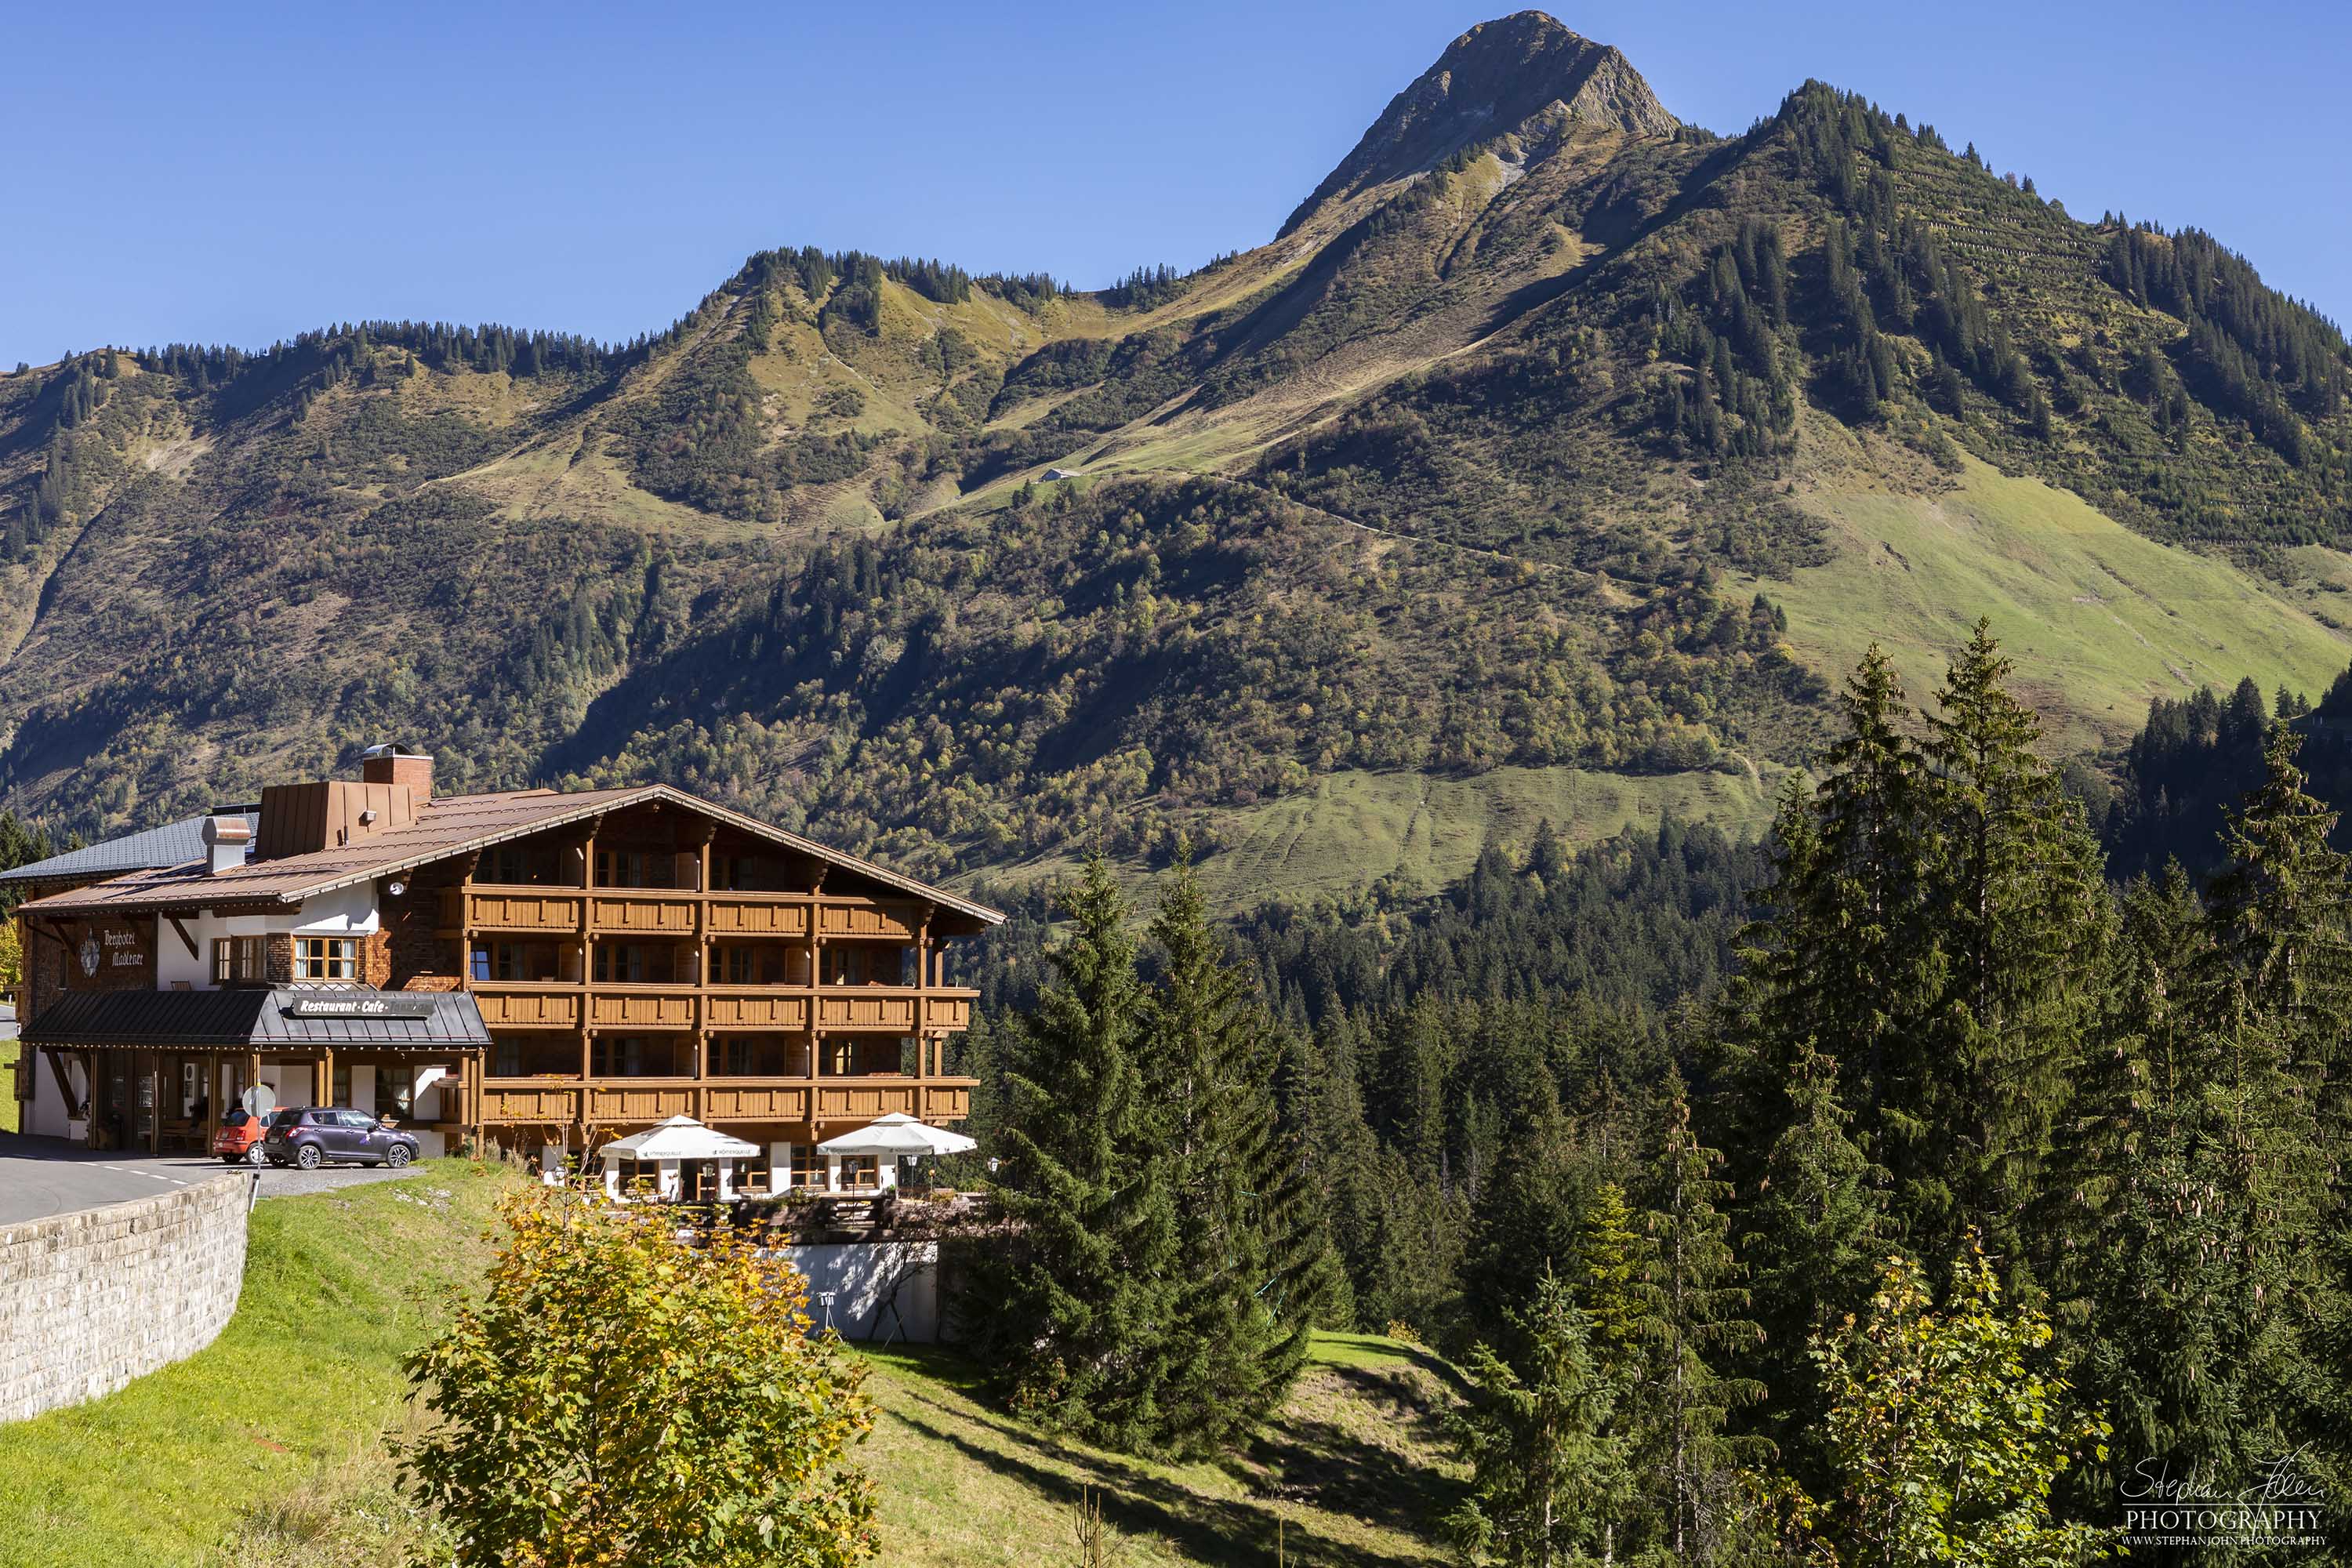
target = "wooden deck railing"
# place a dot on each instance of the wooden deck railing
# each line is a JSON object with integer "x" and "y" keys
{"x": 611, "y": 1101}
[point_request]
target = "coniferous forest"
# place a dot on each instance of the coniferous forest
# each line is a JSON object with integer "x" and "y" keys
{"x": 1915, "y": 1177}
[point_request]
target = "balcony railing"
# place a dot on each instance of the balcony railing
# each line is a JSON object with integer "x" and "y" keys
{"x": 609, "y": 1102}
{"x": 663, "y": 911}
{"x": 647, "y": 1005}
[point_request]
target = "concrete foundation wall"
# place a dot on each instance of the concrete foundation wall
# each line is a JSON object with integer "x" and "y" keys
{"x": 862, "y": 1276}
{"x": 90, "y": 1300}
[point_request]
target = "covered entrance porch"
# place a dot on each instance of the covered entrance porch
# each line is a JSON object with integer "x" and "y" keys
{"x": 155, "y": 1072}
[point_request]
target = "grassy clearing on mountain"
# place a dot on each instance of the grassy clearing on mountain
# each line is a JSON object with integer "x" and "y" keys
{"x": 1355, "y": 828}
{"x": 2101, "y": 618}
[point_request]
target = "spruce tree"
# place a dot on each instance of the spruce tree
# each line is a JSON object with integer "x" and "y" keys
{"x": 1845, "y": 958}
{"x": 1073, "y": 1312}
{"x": 1696, "y": 1323}
{"x": 2024, "y": 921}
{"x": 1251, "y": 1259}
{"x": 1525, "y": 1221}
{"x": 1811, "y": 1241}
{"x": 1546, "y": 1476}
{"x": 1339, "y": 1159}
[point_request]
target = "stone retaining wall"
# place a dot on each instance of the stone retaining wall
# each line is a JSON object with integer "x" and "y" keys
{"x": 90, "y": 1300}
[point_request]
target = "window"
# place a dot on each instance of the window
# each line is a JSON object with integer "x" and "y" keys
{"x": 636, "y": 962}
{"x": 748, "y": 964}
{"x": 238, "y": 961}
{"x": 636, "y": 1056}
{"x": 326, "y": 958}
{"x": 521, "y": 866}
{"x": 395, "y": 1092}
{"x": 808, "y": 1166}
{"x": 749, "y": 1056}
{"x": 508, "y": 1062}
{"x": 342, "y": 1093}
{"x": 635, "y": 869}
{"x": 747, "y": 874}
{"x": 516, "y": 961}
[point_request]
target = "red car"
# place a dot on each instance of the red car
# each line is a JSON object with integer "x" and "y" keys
{"x": 239, "y": 1141}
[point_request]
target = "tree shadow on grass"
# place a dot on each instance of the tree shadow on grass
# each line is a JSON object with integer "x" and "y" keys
{"x": 1136, "y": 1502}
{"x": 1373, "y": 1456}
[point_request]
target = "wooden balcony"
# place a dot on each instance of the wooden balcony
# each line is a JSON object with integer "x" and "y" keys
{"x": 951, "y": 1010}
{"x": 507, "y": 1101}
{"x": 863, "y": 921}
{"x": 537, "y": 911}
{"x": 546, "y": 1005}
{"x": 864, "y": 1098}
{"x": 642, "y": 912}
{"x": 758, "y": 1100}
{"x": 754, "y": 914}
{"x": 889, "y": 1008}
{"x": 641, "y": 1007}
{"x": 783, "y": 1101}
{"x": 640, "y": 1099}
{"x": 755, "y": 1007}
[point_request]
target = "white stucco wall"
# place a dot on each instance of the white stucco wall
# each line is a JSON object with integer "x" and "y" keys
{"x": 350, "y": 911}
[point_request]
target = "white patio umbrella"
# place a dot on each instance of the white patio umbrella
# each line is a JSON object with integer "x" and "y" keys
{"x": 889, "y": 1138}
{"x": 898, "y": 1133}
{"x": 671, "y": 1143}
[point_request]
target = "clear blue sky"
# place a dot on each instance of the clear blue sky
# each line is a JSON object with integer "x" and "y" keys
{"x": 238, "y": 173}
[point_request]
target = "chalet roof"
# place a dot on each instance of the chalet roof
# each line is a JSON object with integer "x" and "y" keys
{"x": 174, "y": 844}
{"x": 445, "y": 826}
{"x": 256, "y": 1019}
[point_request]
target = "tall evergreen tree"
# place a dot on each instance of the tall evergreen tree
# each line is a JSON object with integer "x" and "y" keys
{"x": 1546, "y": 1476}
{"x": 1845, "y": 957}
{"x": 1812, "y": 1240}
{"x": 1251, "y": 1259}
{"x": 1695, "y": 1324}
{"x": 2024, "y": 920}
{"x": 1073, "y": 1313}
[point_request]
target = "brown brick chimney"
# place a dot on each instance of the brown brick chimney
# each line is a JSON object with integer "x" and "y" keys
{"x": 388, "y": 764}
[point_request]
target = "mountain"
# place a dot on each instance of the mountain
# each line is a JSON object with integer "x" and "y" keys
{"x": 1552, "y": 463}
{"x": 1525, "y": 76}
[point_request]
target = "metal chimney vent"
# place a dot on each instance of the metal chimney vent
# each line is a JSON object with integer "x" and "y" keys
{"x": 227, "y": 839}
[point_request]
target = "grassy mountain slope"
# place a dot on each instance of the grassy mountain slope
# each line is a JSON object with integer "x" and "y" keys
{"x": 1549, "y": 435}
{"x": 221, "y": 1459}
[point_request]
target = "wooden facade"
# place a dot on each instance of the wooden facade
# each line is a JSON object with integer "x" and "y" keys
{"x": 653, "y": 960}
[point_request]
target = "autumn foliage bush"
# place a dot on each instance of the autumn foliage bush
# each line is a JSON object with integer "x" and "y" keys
{"x": 619, "y": 1397}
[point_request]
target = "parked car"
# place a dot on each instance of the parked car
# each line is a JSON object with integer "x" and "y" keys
{"x": 239, "y": 1141}
{"x": 320, "y": 1135}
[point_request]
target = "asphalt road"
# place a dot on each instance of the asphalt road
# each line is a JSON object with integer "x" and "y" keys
{"x": 42, "y": 1176}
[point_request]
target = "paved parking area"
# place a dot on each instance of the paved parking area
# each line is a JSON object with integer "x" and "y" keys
{"x": 42, "y": 1176}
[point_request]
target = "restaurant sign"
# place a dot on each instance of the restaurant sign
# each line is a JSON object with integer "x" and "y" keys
{"x": 376, "y": 1005}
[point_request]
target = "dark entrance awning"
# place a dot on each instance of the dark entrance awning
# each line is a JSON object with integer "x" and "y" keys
{"x": 283, "y": 1018}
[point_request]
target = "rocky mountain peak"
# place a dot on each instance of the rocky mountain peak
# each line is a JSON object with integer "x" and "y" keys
{"x": 1491, "y": 80}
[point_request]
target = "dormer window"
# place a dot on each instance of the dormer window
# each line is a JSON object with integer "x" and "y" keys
{"x": 326, "y": 958}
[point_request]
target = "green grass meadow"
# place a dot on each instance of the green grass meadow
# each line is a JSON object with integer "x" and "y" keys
{"x": 273, "y": 1447}
{"x": 2098, "y": 619}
